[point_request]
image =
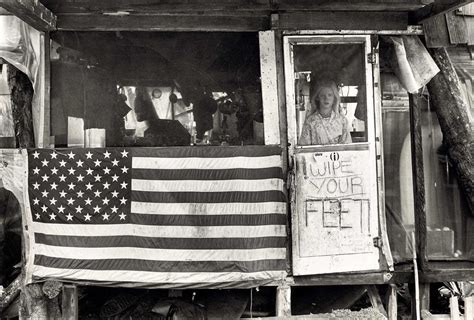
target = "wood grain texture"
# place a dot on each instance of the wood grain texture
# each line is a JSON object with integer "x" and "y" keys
{"x": 457, "y": 28}
{"x": 437, "y": 8}
{"x": 185, "y": 22}
{"x": 375, "y": 299}
{"x": 70, "y": 305}
{"x": 458, "y": 132}
{"x": 416, "y": 102}
{"x": 268, "y": 72}
{"x": 21, "y": 91}
{"x": 343, "y": 20}
{"x": 153, "y": 6}
{"x": 436, "y": 32}
{"x": 32, "y": 12}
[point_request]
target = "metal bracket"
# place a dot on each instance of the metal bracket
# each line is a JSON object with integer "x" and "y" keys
{"x": 378, "y": 243}
{"x": 372, "y": 57}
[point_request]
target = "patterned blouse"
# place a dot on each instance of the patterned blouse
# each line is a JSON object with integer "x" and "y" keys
{"x": 319, "y": 131}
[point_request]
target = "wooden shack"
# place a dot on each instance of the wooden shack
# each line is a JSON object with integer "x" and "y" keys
{"x": 213, "y": 98}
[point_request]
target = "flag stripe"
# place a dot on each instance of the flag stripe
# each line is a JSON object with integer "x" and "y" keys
{"x": 150, "y": 265}
{"x": 207, "y": 220}
{"x": 206, "y": 185}
{"x": 160, "y": 243}
{"x": 157, "y": 277}
{"x": 209, "y": 208}
{"x": 162, "y": 231}
{"x": 203, "y": 174}
{"x": 208, "y": 197}
{"x": 162, "y": 254}
{"x": 205, "y": 163}
{"x": 207, "y": 152}
{"x": 158, "y": 217}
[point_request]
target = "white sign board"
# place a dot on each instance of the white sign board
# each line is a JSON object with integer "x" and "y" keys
{"x": 336, "y": 212}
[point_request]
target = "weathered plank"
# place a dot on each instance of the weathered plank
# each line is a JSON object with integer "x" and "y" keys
{"x": 343, "y": 20}
{"x": 469, "y": 307}
{"x": 392, "y": 306}
{"x": 438, "y": 8}
{"x": 283, "y": 301}
{"x": 44, "y": 78}
{"x": 436, "y": 32}
{"x": 416, "y": 102}
{"x": 268, "y": 72}
{"x": 457, "y": 28}
{"x": 11, "y": 292}
{"x": 375, "y": 299}
{"x": 70, "y": 305}
{"x": 153, "y": 6}
{"x": 137, "y": 22}
{"x": 467, "y": 10}
{"x": 32, "y": 12}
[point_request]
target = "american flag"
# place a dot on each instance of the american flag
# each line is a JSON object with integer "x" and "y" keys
{"x": 157, "y": 217}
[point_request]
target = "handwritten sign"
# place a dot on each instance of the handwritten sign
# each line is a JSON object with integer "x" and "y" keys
{"x": 335, "y": 202}
{"x": 331, "y": 177}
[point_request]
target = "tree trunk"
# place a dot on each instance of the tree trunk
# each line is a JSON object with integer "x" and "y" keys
{"x": 452, "y": 112}
{"x": 34, "y": 304}
{"x": 21, "y": 91}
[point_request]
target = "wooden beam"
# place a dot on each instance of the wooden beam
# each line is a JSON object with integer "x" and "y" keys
{"x": 438, "y": 7}
{"x": 341, "y": 21}
{"x": 11, "y": 292}
{"x": 203, "y": 6}
{"x": 375, "y": 299}
{"x": 32, "y": 12}
{"x": 401, "y": 276}
{"x": 137, "y": 22}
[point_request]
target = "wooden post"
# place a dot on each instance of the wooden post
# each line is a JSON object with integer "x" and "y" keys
{"x": 283, "y": 301}
{"x": 375, "y": 299}
{"x": 425, "y": 296}
{"x": 268, "y": 67}
{"x": 415, "y": 102}
{"x": 452, "y": 111}
{"x": 454, "y": 307}
{"x": 469, "y": 307}
{"x": 70, "y": 303}
{"x": 392, "y": 306}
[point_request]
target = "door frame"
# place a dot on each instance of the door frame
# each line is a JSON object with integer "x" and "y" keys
{"x": 374, "y": 136}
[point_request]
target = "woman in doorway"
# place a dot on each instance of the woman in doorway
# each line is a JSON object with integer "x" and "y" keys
{"x": 324, "y": 123}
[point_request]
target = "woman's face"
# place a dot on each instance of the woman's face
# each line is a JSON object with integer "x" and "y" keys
{"x": 326, "y": 100}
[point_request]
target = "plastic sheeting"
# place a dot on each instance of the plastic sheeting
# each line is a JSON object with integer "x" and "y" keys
{"x": 20, "y": 45}
{"x": 17, "y": 45}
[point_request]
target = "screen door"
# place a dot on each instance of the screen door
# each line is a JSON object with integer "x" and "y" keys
{"x": 331, "y": 132}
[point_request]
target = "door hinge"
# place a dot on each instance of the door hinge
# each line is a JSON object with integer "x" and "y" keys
{"x": 378, "y": 242}
{"x": 372, "y": 57}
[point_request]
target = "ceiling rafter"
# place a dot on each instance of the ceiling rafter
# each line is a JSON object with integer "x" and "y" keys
{"x": 438, "y": 7}
{"x": 32, "y": 12}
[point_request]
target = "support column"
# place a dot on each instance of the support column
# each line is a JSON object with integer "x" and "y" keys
{"x": 452, "y": 111}
{"x": 283, "y": 301}
{"x": 70, "y": 302}
{"x": 416, "y": 102}
{"x": 392, "y": 306}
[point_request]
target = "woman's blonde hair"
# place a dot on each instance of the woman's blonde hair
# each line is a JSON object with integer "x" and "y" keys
{"x": 315, "y": 89}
